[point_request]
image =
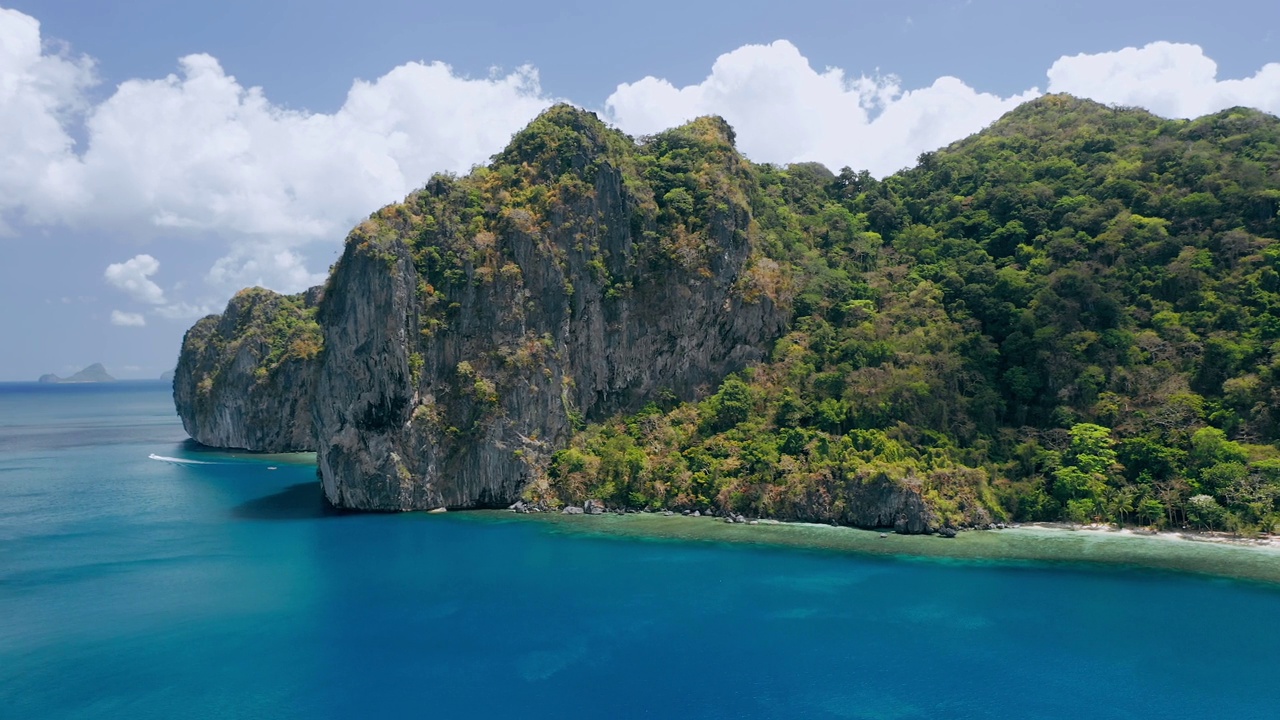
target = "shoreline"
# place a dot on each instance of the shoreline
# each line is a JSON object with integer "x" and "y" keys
{"x": 1204, "y": 553}
{"x": 1266, "y": 542}
{"x": 1043, "y": 545}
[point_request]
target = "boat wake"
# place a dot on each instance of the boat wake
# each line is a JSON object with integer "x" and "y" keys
{"x": 180, "y": 461}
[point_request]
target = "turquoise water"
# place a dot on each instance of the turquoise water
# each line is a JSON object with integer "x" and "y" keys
{"x": 141, "y": 588}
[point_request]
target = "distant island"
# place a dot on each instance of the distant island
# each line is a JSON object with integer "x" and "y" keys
{"x": 167, "y": 376}
{"x": 93, "y": 374}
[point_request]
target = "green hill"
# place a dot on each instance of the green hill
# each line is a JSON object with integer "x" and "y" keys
{"x": 1074, "y": 314}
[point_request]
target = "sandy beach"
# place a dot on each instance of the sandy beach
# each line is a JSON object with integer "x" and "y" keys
{"x": 1089, "y": 547}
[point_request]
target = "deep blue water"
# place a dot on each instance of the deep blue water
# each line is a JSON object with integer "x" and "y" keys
{"x": 137, "y": 588}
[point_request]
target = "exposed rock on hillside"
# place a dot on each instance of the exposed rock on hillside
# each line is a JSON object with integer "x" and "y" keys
{"x": 245, "y": 378}
{"x": 470, "y": 327}
{"x": 1071, "y": 315}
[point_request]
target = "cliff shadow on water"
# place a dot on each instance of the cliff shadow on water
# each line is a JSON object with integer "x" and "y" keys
{"x": 301, "y": 501}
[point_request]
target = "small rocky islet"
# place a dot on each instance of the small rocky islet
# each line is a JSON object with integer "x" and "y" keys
{"x": 95, "y": 373}
{"x": 1068, "y": 316}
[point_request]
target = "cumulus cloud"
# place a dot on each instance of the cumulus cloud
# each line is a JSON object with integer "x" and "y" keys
{"x": 183, "y": 311}
{"x": 133, "y": 277}
{"x": 198, "y": 157}
{"x": 1175, "y": 80}
{"x": 40, "y": 93}
{"x": 786, "y": 111}
{"x": 127, "y": 319}
{"x": 218, "y": 156}
{"x": 268, "y": 265}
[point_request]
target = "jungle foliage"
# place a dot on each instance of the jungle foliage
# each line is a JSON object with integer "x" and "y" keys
{"x": 1072, "y": 315}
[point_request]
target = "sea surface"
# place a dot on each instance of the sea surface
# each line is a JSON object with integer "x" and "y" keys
{"x": 202, "y": 584}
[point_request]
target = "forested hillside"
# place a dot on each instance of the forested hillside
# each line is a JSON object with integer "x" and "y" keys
{"x": 1074, "y": 314}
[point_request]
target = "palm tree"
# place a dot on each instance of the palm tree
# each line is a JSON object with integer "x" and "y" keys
{"x": 1119, "y": 503}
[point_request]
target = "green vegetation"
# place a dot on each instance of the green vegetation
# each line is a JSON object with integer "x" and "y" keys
{"x": 679, "y": 184}
{"x": 1074, "y": 315}
{"x": 276, "y": 328}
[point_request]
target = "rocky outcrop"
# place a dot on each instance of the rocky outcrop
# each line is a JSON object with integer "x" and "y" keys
{"x": 245, "y": 378}
{"x": 864, "y": 501}
{"x": 470, "y": 327}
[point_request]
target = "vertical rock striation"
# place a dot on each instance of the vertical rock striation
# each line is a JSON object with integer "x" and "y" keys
{"x": 470, "y": 327}
{"x": 245, "y": 378}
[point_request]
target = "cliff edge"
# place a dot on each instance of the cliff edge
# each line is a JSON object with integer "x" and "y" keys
{"x": 244, "y": 378}
{"x": 469, "y": 332}
{"x": 469, "y": 328}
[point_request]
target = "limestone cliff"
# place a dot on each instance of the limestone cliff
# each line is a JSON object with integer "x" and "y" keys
{"x": 469, "y": 331}
{"x": 470, "y": 327}
{"x": 245, "y": 378}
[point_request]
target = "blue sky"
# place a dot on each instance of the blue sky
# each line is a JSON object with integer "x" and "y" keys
{"x": 148, "y": 179}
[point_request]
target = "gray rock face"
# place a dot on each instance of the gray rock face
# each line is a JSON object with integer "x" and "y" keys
{"x": 423, "y": 404}
{"x": 873, "y": 502}
{"x": 467, "y": 330}
{"x": 240, "y": 383}
{"x": 887, "y": 503}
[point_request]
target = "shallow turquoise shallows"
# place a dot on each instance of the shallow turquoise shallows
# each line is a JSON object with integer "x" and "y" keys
{"x": 140, "y": 587}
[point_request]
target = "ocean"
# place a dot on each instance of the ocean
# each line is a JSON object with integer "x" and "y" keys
{"x": 142, "y": 576}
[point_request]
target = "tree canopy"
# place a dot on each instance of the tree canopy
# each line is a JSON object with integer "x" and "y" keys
{"x": 1074, "y": 314}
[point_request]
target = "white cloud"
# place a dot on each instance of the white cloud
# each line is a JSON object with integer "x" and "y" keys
{"x": 39, "y": 93}
{"x": 786, "y": 111}
{"x": 196, "y": 157}
{"x": 133, "y": 277}
{"x": 1171, "y": 79}
{"x": 126, "y": 319}
{"x": 268, "y": 265}
{"x": 183, "y": 311}
{"x": 218, "y": 156}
